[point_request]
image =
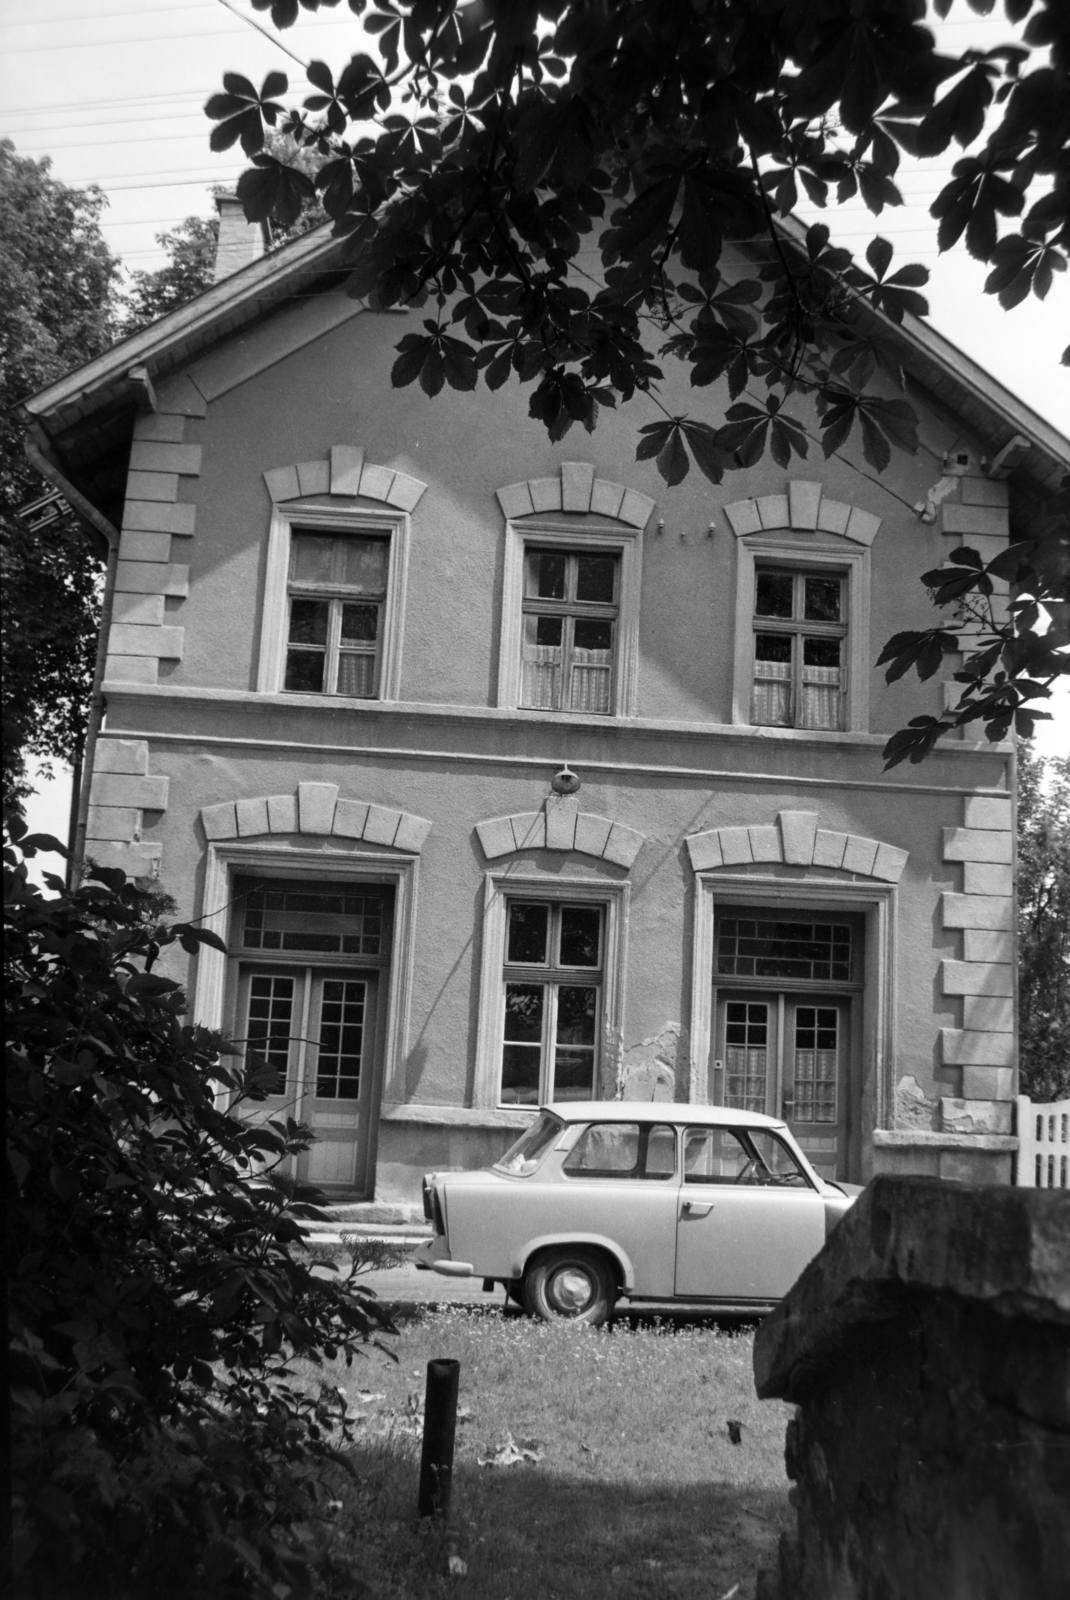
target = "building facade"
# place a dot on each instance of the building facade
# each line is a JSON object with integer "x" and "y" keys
{"x": 508, "y": 776}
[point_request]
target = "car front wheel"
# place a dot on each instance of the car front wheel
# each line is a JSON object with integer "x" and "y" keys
{"x": 573, "y": 1283}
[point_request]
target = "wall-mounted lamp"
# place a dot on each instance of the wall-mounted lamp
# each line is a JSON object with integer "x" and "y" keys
{"x": 565, "y": 781}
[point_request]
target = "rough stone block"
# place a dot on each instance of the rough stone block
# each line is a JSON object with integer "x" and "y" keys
{"x": 635, "y": 509}
{"x": 773, "y": 511}
{"x": 764, "y": 843}
{"x": 529, "y": 830}
{"x": 976, "y": 1116}
{"x": 829, "y": 848}
{"x": 980, "y": 945}
{"x": 252, "y": 817}
{"x": 496, "y": 837}
{"x": 977, "y": 977}
{"x": 804, "y": 503}
{"x": 606, "y": 497}
{"x": 798, "y": 829}
{"x": 515, "y": 500}
{"x": 136, "y": 546}
{"x": 129, "y": 789}
{"x": 988, "y": 1013}
{"x": 862, "y": 526}
{"x": 412, "y": 833}
{"x": 406, "y": 492}
{"x": 591, "y": 833}
{"x": 987, "y": 1083}
{"x": 834, "y": 516}
{"x": 151, "y": 577}
{"x": 859, "y": 855}
{"x": 984, "y": 491}
{"x": 132, "y": 669}
{"x": 977, "y": 911}
{"x": 743, "y": 517}
{"x": 973, "y": 1166}
{"x": 182, "y": 459}
{"x": 623, "y": 845}
{"x": 160, "y": 427}
{"x": 986, "y": 877}
{"x": 153, "y": 516}
{"x": 345, "y": 467}
{"x": 315, "y": 806}
{"x": 545, "y": 493}
{"x": 963, "y": 1047}
{"x": 147, "y": 609}
{"x": 282, "y": 813}
{"x": 113, "y": 822}
{"x": 735, "y": 846}
{"x": 985, "y": 811}
{"x": 977, "y": 844}
{"x": 152, "y": 486}
{"x": 282, "y": 484}
{"x": 122, "y": 755}
{"x": 382, "y": 824}
{"x": 889, "y": 864}
{"x": 220, "y": 822}
{"x": 349, "y": 819}
{"x": 136, "y": 860}
{"x": 577, "y": 483}
{"x": 962, "y": 520}
{"x": 561, "y": 821}
{"x": 130, "y": 639}
{"x": 314, "y": 477}
{"x": 376, "y": 482}
{"x": 705, "y": 850}
{"x": 900, "y": 1162}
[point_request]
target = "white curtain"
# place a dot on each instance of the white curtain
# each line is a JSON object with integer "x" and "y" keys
{"x": 821, "y": 698}
{"x": 592, "y": 676}
{"x": 815, "y": 1086}
{"x": 541, "y": 686}
{"x": 356, "y": 674}
{"x": 771, "y": 702}
{"x": 745, "y": 1074}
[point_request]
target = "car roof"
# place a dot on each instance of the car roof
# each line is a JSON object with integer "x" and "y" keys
{"x": 659, "y": 1111}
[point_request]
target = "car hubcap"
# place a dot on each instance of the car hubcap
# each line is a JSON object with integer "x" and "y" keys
{"x": 571, "y": 1291}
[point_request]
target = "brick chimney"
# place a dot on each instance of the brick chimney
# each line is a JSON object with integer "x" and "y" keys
{"x": 240, "y": 243}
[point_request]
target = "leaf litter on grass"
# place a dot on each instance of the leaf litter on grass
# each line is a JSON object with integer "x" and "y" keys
{"x": 672, "y": 1508}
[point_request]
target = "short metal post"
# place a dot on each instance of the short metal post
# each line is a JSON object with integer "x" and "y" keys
{"x": 440, "y": 1430}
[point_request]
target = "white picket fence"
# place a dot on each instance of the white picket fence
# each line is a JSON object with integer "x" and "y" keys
{"x": 1043, "y": 1144}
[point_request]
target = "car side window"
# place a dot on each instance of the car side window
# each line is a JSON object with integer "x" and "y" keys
{"x": 743, "y": 1155}
{"x": 623, "y": 1150}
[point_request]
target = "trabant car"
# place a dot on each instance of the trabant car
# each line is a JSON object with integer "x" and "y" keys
{"x": 652, "y": 1201}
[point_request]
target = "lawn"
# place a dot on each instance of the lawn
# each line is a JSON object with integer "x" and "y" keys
{"x": 629, "y": 1483}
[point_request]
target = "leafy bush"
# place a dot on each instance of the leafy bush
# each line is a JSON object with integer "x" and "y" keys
{"x": 158, "y": 1286}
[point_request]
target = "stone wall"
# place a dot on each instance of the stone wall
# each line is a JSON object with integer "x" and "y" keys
{"x": 927, "y": 1348}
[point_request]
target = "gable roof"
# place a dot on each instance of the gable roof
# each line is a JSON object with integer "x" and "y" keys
{"x": 83, "y": 422}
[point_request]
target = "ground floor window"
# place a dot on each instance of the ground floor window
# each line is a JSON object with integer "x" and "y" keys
{"x": 552, "y": 1015}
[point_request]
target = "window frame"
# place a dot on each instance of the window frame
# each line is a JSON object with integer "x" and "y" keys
{"x": 551, "y": 976}
{"x": 798, "y": 629}
{"x": 274, "y": 629}
{"x": 569, "y": 610}
{"x": 499, "y": 889}
{"x": 786, "y": 552}
{"x": 577, "y": 534}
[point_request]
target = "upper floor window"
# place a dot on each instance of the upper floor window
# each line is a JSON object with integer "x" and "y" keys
{"x": 569, "y": 637}
{"x": 337, "y": 592}
{"x": 800, "y": 634}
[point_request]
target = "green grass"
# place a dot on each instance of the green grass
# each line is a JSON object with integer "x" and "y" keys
{"x": 638, "y": 1491}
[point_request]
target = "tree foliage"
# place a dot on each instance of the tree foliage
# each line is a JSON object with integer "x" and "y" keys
{"x": 190, "y": 248}
{"x": 1044, "y": 926}
{"x": 57, "y": 304}
{"x": 155, "y": 1295}
{"x": 471, "y": 161}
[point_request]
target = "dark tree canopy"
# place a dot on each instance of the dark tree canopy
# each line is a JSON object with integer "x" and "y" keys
{"x": 57, "y": 305}
{"x": 190, "y": 248}
{"x": 1044, "y": 926}
{"x": 471, "y": 161}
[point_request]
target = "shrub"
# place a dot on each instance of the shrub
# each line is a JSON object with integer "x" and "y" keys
{"x": 157, "y": 1284}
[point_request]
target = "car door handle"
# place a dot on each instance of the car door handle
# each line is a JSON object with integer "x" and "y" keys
{"x": 697, "y": 1208}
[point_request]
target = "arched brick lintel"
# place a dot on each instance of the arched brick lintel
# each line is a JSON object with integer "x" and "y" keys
{"x": 316, "y": 808}
{"x": 796, "y": 839}
{"x": 345, "y": 472}
{"x": 576, "y": 489}
{"x": 560, "y": 828}
{"x": 803, "y": 507}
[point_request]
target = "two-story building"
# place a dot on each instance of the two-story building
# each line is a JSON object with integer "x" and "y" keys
{"x": 509, "y": 774}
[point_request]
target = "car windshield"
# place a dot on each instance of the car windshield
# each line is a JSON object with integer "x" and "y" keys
{"x": 524, "y": 1156}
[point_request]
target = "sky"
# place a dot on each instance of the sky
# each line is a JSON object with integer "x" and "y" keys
{"x": 114, "y": 93}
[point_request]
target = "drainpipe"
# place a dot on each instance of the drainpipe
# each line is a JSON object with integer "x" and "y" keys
{"x": 100, "y": 523}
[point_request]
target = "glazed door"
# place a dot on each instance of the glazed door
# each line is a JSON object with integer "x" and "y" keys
{"x": 787, "y": 1055}
{"x": 315, "y": 1032}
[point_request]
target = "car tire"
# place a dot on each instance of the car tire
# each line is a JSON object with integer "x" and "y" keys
{"x": 572, "y": 1283}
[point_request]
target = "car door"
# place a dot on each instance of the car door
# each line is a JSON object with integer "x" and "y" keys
{"x": 748, "y": 1219}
